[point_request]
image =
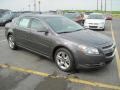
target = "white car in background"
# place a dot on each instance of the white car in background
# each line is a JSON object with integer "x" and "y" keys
{"x": 86, "y": 14}
{"x": 95, "y": 21}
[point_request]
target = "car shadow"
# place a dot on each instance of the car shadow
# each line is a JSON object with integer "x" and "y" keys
{"x": 76, "y": 71}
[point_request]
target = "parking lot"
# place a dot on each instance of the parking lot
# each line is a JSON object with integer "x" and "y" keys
{"x": 23, "y": 70}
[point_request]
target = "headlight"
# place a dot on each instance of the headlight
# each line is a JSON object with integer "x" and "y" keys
{"x": 102, "y": 23}
{"x": 88, "y": 50}
{"x": 86, "y": 24}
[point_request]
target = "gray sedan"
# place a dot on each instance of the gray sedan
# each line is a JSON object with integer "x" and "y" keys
{"x": 60, "y": 39}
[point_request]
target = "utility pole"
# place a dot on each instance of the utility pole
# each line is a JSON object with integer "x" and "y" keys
{"x": 111, "y": 6}
{"x": 29, "y": 8}
{"x": 39, "y": 5}
{"x": 34, "y": 5}
{"x": 97, "y": 5}
{"x": 105, "y": 5}
{"x": 101, "y": 5}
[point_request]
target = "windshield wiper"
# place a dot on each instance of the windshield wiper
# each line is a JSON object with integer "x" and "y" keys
{"x": 70, "y": 31}
{"x": 65, "y": 32}
{"x": 78, "y": 30}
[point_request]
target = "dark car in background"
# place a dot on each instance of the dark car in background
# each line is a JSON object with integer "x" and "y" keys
{"x": 75, "y": 16}
{"x": 108, "y": 17}
{"x": 5, "y": 17}
{"x": 60, "y": 39}
{"x": 16, "y": 14}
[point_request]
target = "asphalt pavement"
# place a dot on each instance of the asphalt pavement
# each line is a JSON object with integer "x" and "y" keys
{"x": 24, "y": 70}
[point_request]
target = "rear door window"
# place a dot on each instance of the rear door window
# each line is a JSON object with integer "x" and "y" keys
{"x": 24, "y": 22}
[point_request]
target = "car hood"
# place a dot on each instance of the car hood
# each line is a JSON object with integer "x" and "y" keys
{"x": 95, "y": 21}
{"x": 86, "y": 37}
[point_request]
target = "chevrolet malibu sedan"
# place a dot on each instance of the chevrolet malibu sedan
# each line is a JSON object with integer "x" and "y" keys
{"x": 60, "y": 39}
{"x": 95, "y": 21}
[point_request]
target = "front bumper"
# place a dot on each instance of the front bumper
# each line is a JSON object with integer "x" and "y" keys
{"x": 95, "y": 26}
{"x": 96, "y": 61}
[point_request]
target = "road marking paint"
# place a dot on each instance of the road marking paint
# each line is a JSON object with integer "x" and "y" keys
{"x": 73, "y": 80}
{"x": 116, "y": 52}
{"x": 3, "y": 40}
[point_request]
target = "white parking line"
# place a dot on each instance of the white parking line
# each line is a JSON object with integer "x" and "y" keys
{"x": 116, "y": 54}
{"x": 70, "y": 79}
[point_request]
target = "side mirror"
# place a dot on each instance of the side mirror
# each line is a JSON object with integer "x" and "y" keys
{"x": 43, "y": 30}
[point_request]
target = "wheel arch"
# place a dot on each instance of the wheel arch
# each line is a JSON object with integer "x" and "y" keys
{"x": 61, "y": 46}
{"x": 9, "y": 33}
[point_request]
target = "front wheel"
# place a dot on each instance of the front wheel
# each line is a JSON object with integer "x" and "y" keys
{"x": 64, "y": 59}
{"x": 11, "y": 42}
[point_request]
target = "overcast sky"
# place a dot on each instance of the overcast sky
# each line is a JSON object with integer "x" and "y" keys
{"x": 57, "y": 4}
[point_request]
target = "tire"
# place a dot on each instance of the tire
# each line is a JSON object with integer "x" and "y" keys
{"x": 11, "y": 42}
{"x": 103, "y": 29}
{"x": 64, "y": 60}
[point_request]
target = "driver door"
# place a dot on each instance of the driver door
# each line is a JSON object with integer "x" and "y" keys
{"x": 40, "y": 41}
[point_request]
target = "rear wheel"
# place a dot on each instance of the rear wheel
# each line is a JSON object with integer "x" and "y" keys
{"x": 64, "y": 59}
{"x": 11, "y": 42}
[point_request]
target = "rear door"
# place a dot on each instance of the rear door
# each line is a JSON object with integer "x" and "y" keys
{"x": 22, "y": 32}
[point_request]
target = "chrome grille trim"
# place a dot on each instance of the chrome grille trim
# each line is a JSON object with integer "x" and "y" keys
{"x": 109, "y": 50}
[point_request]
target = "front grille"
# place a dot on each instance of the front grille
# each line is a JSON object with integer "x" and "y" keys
{"x": 108, "y": 46}
{"x": 96, "y": 65}
{"x": 92, "y": 26}
{"x": 109, "y": 54}
{"x": 95, "y": 23}
{"x": 90, "y": 23}
{"x": 108, "y": 50}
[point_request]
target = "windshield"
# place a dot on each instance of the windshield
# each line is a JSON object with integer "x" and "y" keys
{"x": 63, "y": 24}
{"x": 88, "y": 13}
{"x": 95, "y": 16}
{"x": 71, "y": 15}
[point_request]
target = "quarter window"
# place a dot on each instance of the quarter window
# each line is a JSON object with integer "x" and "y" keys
{"x": 24, "y": 22}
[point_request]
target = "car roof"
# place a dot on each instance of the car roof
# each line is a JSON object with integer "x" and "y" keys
{"x": 96, "y": 14}
{"x": 40, "y": 15}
